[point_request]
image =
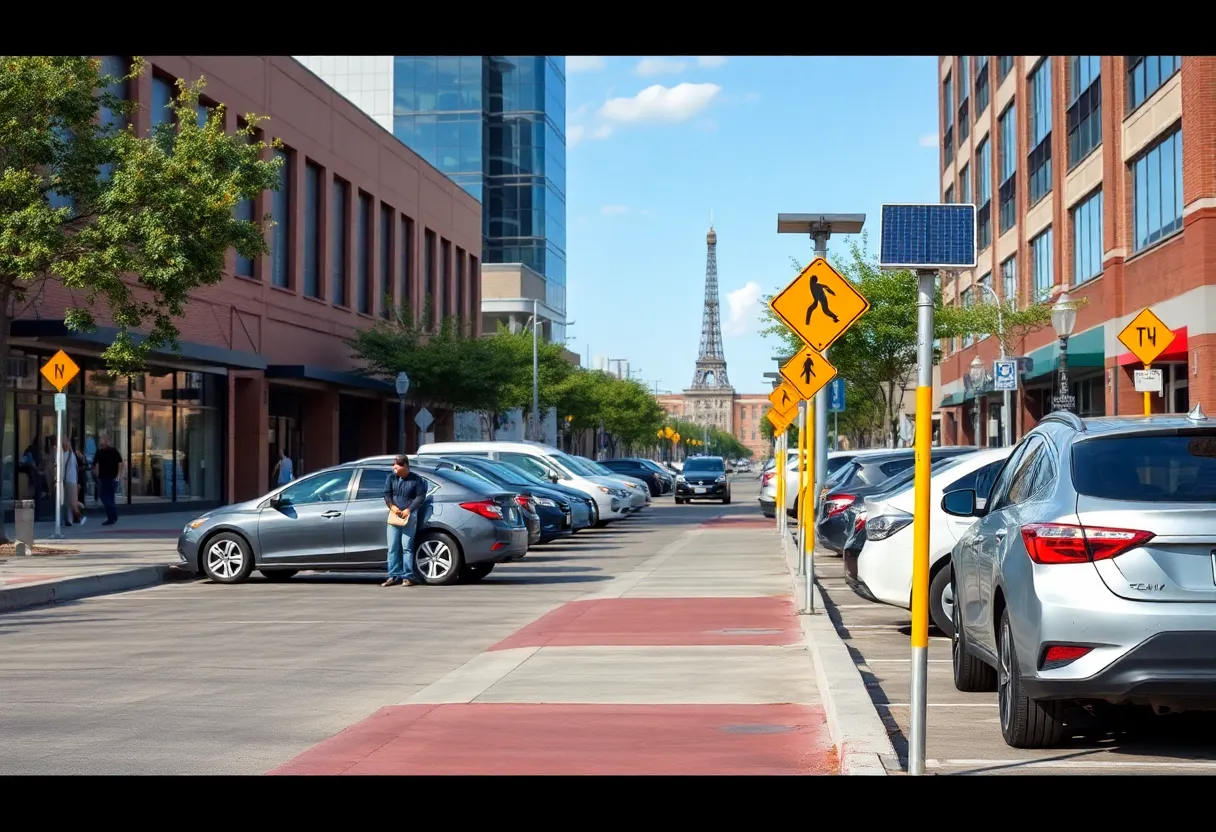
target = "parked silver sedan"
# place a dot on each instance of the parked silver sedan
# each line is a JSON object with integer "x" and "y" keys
{"x": 334, "y": 520}
{"x": 1090, "y": 573}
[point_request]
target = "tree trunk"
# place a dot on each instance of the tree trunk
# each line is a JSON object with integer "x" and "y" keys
{"x": 6, "y": 295}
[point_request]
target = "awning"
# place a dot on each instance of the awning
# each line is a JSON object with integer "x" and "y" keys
{"x": 953, "y": 400}
{"x": 56, "y": 333}
{"x": 1085, "y": 351}
{"x": 338, "y": 377}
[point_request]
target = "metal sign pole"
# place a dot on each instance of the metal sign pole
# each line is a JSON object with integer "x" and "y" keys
{"x": 58, "y": 473}
{"x": 807, "y": 512}
{"x": 779, "y": 457}
{"x": 803, "y": 476}
{"x": 926, "y": 284}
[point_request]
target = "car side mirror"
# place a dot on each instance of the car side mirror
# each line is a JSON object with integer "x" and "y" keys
{"x": 961, "y": 503}
{"x": 276, "y": 502}
{"x": 553, "y": 478}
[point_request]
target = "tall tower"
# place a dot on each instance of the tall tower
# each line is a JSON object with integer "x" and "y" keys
{"x": 710, "y": 399}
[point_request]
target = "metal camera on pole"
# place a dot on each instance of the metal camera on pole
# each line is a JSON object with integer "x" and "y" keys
{"x": 925, "y": 239}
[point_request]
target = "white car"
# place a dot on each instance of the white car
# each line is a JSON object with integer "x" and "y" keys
{"x": 884, "y": 565}
{"x": 611, "y": 497}
{"x": 768, "y": 479}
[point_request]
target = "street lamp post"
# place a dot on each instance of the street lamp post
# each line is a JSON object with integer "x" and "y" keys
{"x": 403, "y": 387}
{"x": 535, "y": 373}
{"x": 1063, "y": 320}
{"x": 977, "y": 378}
{"x": 1000, "y": 334}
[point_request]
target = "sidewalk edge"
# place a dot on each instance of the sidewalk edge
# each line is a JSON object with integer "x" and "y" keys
{"x": 856, "y": 728}
{"x": 82, "y": 586}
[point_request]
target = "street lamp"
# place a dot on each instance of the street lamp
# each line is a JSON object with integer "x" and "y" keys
{"x": 1000, "y": 334}
{"x": 403, "y": 387}
{"x": 977, "y": 378}
{"x": 1063, "y": 320}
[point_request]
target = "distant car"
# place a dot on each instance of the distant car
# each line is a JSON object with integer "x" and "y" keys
{"x": 636, "y": 469}
{"x": 768, "y": 478}
{"x": 668, "y": 476}
{"x": 703, "y": 478}
{"x": 335, "y": 520}
{"x": 639, "y": 490}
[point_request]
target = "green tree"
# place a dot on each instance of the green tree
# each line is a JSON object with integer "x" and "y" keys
{"x": 128, "y": 225}
{"x": 511, "y": 361}
{"x": 877, "y": 356}
{"x": 578, "y": 401}
{"x": 629, "y": 412}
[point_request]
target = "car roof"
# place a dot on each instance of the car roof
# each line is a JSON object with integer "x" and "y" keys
{"x": 1107, "y": 425}
{"x": 483, "y": 446}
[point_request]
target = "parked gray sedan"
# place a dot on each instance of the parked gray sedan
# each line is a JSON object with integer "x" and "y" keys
{"x": 334, "y": 520}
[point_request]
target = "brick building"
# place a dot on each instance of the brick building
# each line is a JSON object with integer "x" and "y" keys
{"x": 263, "y": 364}
{"x": 1093, "y": 174}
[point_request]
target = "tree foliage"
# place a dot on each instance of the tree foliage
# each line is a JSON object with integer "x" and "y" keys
{"x": 717, "y": 442}
{"x": 877, "y": 355}
{"x": 129, "y": 225}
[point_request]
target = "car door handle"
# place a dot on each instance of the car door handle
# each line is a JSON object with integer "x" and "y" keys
{"x": 331, "y": 514}
{"x": 979, "y": 538}
{"x": 1000, "y": 534}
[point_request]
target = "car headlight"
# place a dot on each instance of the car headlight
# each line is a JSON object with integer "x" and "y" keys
{"x": 885, "y": 525}
{"x": 722, "y": 478}
{"x": 545, "y": 501}
{"x": 605, "y": 489}
{"x": 194, "y": 524}
{"x": 630, "y": 485}
{"x": 681, "y": 478}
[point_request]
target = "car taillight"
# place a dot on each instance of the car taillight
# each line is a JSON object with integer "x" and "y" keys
{"x": 767, "y": 479}
{"x": 486, "y": 508}
{"x": 524, "y": 502}
{"x": 1058, "y": 655}
{"x": 1050, "y": 543}
{"x": 861, "y": 522}
{"x": 836, "y": 503}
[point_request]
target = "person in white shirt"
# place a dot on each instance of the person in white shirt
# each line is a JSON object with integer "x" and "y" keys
{"x": 71, "y": 490}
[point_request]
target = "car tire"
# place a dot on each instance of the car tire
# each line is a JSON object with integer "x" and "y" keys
{"x": 1025, "y": 722}
{"x": 475, "y": 572}
{"x": 971, "y": 675}
{"x": 680, "y": 501}
{"x": 438, "y": 560}
{"x": 939, "y": 587}
{"x": 277, "y": 576}
{"x": 227, "y": 558}
{"x": 726, "y": 499}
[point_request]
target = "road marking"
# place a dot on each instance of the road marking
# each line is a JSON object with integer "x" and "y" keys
{"x": 940, "y": 704}
{"x": 1067, "y": 763}
{"x": 473, "y": 678}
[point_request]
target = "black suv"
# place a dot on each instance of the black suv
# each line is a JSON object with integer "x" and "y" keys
{"x": 703, "y": 478}
{"x": 638, "y": 470}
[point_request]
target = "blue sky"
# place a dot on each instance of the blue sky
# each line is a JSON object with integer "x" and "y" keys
{"x": 654, "y": 144}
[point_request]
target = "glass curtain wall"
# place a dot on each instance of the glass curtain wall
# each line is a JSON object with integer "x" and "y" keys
{"x": 165, "y": 423}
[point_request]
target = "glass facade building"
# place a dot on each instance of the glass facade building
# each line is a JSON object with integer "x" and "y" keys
{"x": 496, "y": 125}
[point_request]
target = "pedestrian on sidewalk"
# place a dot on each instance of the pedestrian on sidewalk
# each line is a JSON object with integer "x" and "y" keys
{"x": 405, "y": 496}
{"x": 107, "y": 468}
{"x": 71, "y": 483}
{"x": 283, "y": 472}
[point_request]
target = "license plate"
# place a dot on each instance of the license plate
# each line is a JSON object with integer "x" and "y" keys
{"x": 700, "y": 491}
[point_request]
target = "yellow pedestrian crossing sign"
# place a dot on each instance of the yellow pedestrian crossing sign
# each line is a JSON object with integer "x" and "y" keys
{"x": 808, "y": 372}
{"x": 819, "y": 304}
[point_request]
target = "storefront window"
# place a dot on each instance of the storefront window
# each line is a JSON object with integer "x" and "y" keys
{"x": 198, "y": 449}
{"x": 105, "y": 420}
{"x": 152, "y": 462}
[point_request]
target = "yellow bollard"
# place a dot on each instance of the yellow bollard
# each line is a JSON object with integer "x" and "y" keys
{"x": 808, "y": 518}
{"x": 1148, "y": 400}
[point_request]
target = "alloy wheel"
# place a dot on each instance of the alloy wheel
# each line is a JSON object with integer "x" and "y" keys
{"x": 955, "y": 640}
{"x": 434, "y": 559}
{"x": 225, "y": 558}
{"x": 948, "y": 601}
{"x": 1004, "y": 673}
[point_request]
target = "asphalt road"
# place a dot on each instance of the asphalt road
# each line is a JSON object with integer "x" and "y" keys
{"x": 199, "y": 678}
{"x": 963, "y": 733}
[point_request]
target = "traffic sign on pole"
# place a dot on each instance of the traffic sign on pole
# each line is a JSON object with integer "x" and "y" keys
{"x": 819, "y": 305}
{"x": 780, "y": 423}
{"x": 1146, "y": 337}
{"x": 60, "y": 370}
{"x": 784, "y": 399}
{"x": 808, "y": 372}
{"x": 1005, "y": 375}
{"x": 836, "y": 395}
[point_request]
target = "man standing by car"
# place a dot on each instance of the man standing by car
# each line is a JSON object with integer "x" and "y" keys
{"x": 107, "y": 464}
{"x": 404, "y": 494}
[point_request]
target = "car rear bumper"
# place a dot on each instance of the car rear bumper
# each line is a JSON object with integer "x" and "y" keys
{"x": 713, "y": 491}
{"x": 832, "y": 533}
{"x": 859, "y": 586}
{"x": 769, "y": 507}
{"x": 1178, "y": 666}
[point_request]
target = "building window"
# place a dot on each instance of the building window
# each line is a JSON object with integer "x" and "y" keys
{"x": 339, "y": 241}
{"x": 163, "y": 96}
{"x": 245, "y": 210}
{"x": 386, "y": 260}
{"x": 982, "y": 87}
{"x": 1085, "y": 110}
{"x": 312, "y": 230}
{"x": 363, "y": 263}
{"x": 1087, "y": 238}
{"x": 1004, "y": 65}
{"x": 948, "y": 114}
{"x": 964, "y": 185}
{"x": 1041, "y": 258}
{"x": 964, "y": 92}
{"x": 1158, "y": 190}
{"x": 407, "y": 264}
{"x": 445, "y": 269}
{"x": 1009, "y": 280}
{"x": 983, "y": 193}
{"x": 1007, "y": 126}
{"x": 461, "y": 256}
{"x": 950, "y": 194}
{"x": 428, "y": 272}
{"x": 1039, "y": 114}
{"x": 280, "y": 235}
{"x": 1146, "y": 74}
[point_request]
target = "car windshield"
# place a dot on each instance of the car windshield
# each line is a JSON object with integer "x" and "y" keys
{"x": 506, "y": 473}
{"x": 520, "y": 473}
{"x": 902, "y": 482}
{"x": 596, "y": 468}
{"x": 1150, "y": 468}
{"x": 476, "y": 475}
{"x": 571, "y": 464}
{"x": 703, "y": 465}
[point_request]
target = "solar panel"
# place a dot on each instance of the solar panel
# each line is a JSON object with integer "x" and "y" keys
{"x": 927, "y": 236}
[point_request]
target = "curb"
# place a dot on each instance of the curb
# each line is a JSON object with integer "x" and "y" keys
{"x": 858, "y": 731}
{"x": 84, "y": 586}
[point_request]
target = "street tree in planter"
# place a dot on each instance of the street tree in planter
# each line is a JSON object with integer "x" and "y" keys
{"x": 128, "y": 225}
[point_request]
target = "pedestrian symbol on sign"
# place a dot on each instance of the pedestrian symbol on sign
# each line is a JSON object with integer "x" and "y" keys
{"x": 1005, "y": 376}
{"x": 808, "y": 369}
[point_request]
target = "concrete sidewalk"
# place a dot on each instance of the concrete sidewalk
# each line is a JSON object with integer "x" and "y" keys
{"x": 696, "y": 662}
{"x": 92, "y": 559}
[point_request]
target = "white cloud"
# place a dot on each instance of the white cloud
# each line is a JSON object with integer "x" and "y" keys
{"x": 928, "y": 140}
{"x": 578, "y": 133}
{"x": 614, "y": 210}
{"x": 742, "y": 305}
{"x": 659, "y": 103}
{"x": 710, "y": 61}
{"x": 584, "y": 63}
{"x": 655, "y": 65}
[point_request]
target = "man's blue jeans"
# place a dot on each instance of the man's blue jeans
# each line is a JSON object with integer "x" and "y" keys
{"x": 401, "y": 549}
{"x": 106, "y": 489}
